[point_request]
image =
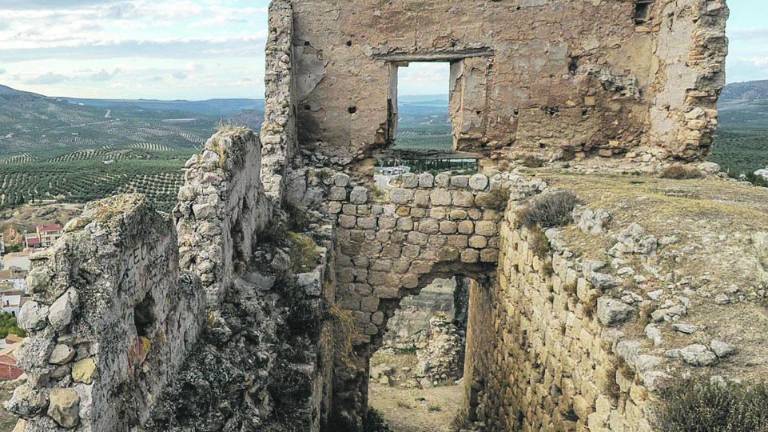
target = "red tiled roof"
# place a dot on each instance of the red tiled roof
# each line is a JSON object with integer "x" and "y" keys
{"x": 12, "y": 339}
{"x": 33, "y": 241}
{"x": 49, "y": 228}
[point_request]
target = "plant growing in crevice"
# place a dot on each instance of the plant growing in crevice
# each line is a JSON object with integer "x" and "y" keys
{"x": 304, "y": 252}
{"x": 497, "y": 198}
{"x": 345, "y": 331}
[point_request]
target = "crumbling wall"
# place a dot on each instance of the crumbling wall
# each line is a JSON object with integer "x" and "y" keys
{"x": 222, "y": 209}
{"x": 395, "y": 238}
{"x": 112, "y": 318}
{"x": 690, "y": 73}
{"x": 556, "y": 79}
{"x": 278, "y": 131}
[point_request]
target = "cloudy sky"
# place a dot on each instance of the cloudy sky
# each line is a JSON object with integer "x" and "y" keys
{"x": 199, "y": 49}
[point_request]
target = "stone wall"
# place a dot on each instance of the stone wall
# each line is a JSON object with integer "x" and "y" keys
{"x": 112, "y": 318}
{"x": 527, "y": 77}
{"x": 393, "y": 240}
{"x": 222, "y": 209}
{"x": 541, "y": 354}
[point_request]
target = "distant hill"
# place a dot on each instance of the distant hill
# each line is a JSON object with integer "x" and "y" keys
{"x": 745, "y": 91}
{"x": 741, "y": 144}
{"x": 212, "y": 107}
{"x": 41, "y": 127}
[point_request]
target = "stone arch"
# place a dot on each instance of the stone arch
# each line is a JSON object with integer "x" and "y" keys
{"x": 393, "y": 240}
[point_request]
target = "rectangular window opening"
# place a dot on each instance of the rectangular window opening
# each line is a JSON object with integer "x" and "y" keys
{"x": 423, "y": 122}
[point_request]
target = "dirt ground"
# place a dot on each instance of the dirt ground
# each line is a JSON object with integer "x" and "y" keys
{"x": 417, "y": 410}
{"x": 7, "y": 420}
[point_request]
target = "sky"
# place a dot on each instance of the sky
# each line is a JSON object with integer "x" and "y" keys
{"x": 202, "y": 49}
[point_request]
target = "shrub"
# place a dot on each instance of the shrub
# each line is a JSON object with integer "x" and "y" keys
{"x": 549, "y": 210}
{"x": 497, "y": 198}
{"x": 304, "y": 254}
{"x": 681, "y": 172}
{"x": 698, "y": 405}
{"x": 539, "y": 242}
{"x": 532, "y": 162}
{"x": 375, "y": 423}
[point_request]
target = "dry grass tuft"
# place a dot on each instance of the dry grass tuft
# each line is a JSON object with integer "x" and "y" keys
{"x": 681, "y": 172}
{"x": 548, "y": 210}
{"x": 304, "y": 252}
{"x": 345, "y": 331}
{"x": 701, "y": 405}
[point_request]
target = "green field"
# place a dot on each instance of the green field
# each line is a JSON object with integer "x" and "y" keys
{"x": 86, "y": 180}
{"x": 79, "y": 150}
{"x": 741, "y": 144}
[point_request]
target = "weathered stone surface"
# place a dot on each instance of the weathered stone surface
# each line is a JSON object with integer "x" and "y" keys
{"x": 612, "y": 312}
{"x": 62, "y": 310}
{"x": 698, "y": 355}
{"x": 61, "y": 354}
{"x": 32, "y": 316}
{"x": 64, "y": 407}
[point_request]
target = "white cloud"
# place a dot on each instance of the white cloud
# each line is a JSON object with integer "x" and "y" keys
{"x": 48, "y": 78}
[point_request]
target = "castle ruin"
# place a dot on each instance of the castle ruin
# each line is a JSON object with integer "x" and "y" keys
{"x": 257, "y": 303}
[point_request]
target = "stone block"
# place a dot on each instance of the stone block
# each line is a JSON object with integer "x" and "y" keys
{"x": 400, "y": 196}
{"x": 337, "y": 193}
{"x": 366, "y": 222}
{"x": 459, "y": 241}
{"x": 438, "y": 213}
{"x": 411, "y": 251}
{"x": 478, "y": 182}
{"x": 466, "y": 227}
{"x": 359, "y": 195}
{"x": 387, "y": 222}
{"x": 409, "y": 180}
{"x": 458, "y": 214}
{"x": 478, "y": 242}
{"x": 417, "y": 238}
{"x": 429, "y": 226}
{"x": 369, "y": 304}
{"x": 486, "y": 228}
{"x": 426, "y": 180}
{"x": 64, "y": 407}
{"x": 405, "y": 224}
{"x": 440, "y": 197}
{"x": 347, "y": 221}
{"x": 463, "y": 198}
{"x": 341, "y": 179}
{"x": 448, "y": 227}
{"x": 421, "y": 198}
{"x": 470, "y": 256}
{"x": 443, "y": 180}
{"x": 460, "y": 181}
{"x": 489, "y": 255}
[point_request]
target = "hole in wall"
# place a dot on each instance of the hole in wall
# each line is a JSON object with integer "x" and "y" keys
{"x": 416, "y": 375}
{"x": 642, "y": 11}
{"x": 573, "y": 65}
{"x": 349, "y": 43}
{"x": 352, "y": 109}
{"x": 144, "y": 316}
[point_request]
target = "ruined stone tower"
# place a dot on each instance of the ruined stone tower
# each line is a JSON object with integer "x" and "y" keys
{"x": 257, "y": 304}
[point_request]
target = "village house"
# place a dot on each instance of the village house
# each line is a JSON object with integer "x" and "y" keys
{"x": 43, "y": 237}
